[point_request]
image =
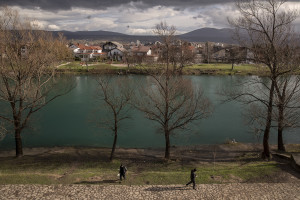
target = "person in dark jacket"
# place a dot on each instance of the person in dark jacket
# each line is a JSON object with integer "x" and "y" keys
{"x": 193, "y": 177}
{"x": 122, "y": 171}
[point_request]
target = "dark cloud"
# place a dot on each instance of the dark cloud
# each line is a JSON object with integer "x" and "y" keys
{"x": 54, "y": 5}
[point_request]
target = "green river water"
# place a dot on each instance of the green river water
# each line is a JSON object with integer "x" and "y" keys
{"x": 70, "y": 121}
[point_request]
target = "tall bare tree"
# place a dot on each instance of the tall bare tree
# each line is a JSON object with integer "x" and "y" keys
{"x": 173, "y": 103}
{"x": 27, "y": 70}
{"x": 166, "y": 34}
{"x": 265, "y": 28}
{"x": 181, "y": 54}
{"x": 116, "y": 93}
{"x": 169, "y": 99}
{"x": 286, "y": 113}
{"x": 287, "y": 101}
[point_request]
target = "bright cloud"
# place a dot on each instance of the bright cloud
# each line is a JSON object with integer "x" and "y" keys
{"x": 53, "y": 27}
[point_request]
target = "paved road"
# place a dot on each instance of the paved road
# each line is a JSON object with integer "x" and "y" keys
{"x": 238, "y": 191}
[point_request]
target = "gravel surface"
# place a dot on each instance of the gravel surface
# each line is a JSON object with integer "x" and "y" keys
{"x": 238, "y": 191}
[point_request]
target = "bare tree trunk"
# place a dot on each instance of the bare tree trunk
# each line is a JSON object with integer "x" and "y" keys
{"x": 266, "y": 152}
{"x": 18, "y": 140}
{"x": 280, "y": 129}
{"x": 114, "y": 144}
{"x": 167, "y": 150}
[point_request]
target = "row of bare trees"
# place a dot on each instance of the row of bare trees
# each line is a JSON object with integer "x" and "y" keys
{"x": 167, "y": 98}
{"x": 265, "y": 28}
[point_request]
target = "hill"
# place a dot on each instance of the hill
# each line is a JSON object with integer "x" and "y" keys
{"x": 199, "y": 35}
{"x": 209, "y": 34}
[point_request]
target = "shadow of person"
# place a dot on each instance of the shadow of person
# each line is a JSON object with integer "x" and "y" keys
{"x": 165, "y": 188}
{"x": 98, "y": 182}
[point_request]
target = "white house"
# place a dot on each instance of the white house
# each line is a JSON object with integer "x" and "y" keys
{"x": 86, "y": 53}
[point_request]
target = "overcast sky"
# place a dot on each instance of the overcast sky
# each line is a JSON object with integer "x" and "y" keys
{"x": 129, "y": 16}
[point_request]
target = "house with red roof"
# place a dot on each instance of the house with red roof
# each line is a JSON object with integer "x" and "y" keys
{"x": 87, "y": 53}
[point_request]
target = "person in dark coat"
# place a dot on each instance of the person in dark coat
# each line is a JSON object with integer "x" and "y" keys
{"x": 122, "y": 171}
{"x": 193, "y": 177}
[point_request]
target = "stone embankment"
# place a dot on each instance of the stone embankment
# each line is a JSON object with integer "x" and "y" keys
{"x": 286, "y": 191}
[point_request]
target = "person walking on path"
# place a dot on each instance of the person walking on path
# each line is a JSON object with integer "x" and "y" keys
{"x": 122, "y": 171}
{"x": 193, "y": 177}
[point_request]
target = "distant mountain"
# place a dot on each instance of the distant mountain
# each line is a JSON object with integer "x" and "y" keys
{"x": 209, "y": 34}
{"x": 199, "y": 35}
{"x": 105, "y": 35}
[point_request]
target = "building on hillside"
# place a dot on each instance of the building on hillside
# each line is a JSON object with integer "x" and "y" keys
{"x": 156, "y": 51}
{"x": 87, "y": 53}
{"x": 108, "y": 46}
{"x": 141, "y": 51}
{"x": 116, "y": 54}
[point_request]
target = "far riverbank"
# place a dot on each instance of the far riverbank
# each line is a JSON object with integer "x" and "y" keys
{"x": 196, "y": 69}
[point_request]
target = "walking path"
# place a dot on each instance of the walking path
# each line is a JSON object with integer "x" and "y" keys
{"x": 62, "y": 64}
{"x": 270, "y": 191}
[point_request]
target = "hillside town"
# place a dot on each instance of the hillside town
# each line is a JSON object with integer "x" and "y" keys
{"x": 193, "y": 52}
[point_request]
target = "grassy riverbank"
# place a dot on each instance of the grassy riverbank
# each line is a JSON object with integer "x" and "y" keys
{"x": 69, "y": 165}
{"x": 211, "y": 69}
{"x": 226, "y": 69}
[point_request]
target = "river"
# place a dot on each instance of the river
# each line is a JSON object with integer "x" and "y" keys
{"x": 71, "y": 121}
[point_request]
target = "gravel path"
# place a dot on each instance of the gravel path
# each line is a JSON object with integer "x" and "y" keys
{"x": 268, "y": 191}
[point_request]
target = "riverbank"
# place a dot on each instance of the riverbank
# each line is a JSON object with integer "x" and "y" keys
{"x": 199, "y": 69}
{"x": 226, "y": 163}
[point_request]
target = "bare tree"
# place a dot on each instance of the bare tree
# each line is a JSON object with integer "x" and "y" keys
{"x": 287, "y": 98}
{"x": 234, "y": 56}
{"x": 166, "y": 34}
{"x": 116, "y": 93}
{"x": 168, "y": 99}
{"x": 173, "y": 102}
{"x": 286, "y": 113}
{"x": 187, "y": 56}
{"x": 128, "y": 58}
{"x": 27, "y": 70}
{"x": 265, "y": 28}
{"x": 181, "y": 54}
